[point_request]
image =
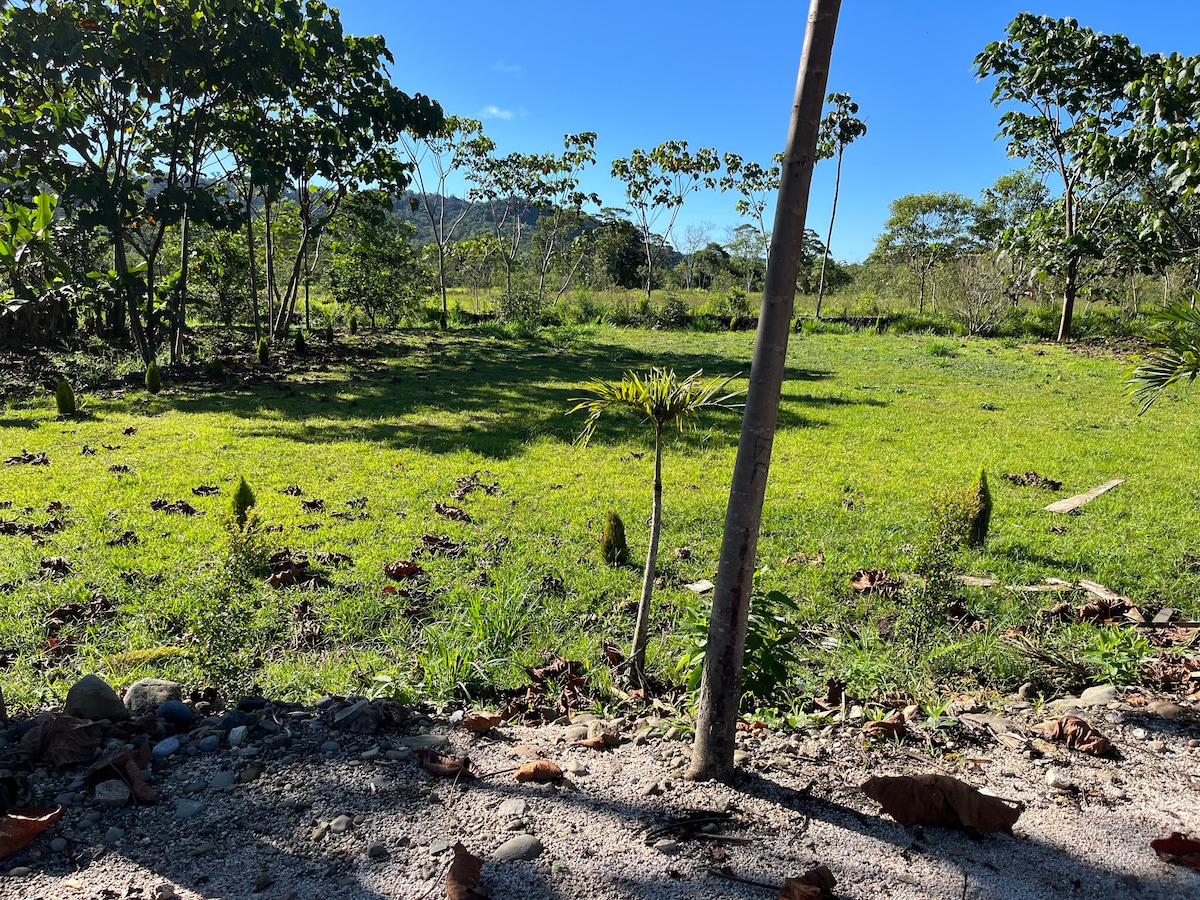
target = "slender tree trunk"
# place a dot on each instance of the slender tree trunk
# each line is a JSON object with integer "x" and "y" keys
{"x": 442, "y": 279}
{"x": 837, "y": 184}
{"x": 253, "y": 265}
{"x": 270, "y": 249}
{"x": 177, "y": 326}
{"x": 1068, "y": 307}
{"x": 720, "y": 685}
{"x": 641, "y": 631}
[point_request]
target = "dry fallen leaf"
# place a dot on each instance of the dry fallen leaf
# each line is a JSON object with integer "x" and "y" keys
{"x": 404, "y": 568}
{"x": 874, "y": 581}
{"x": 815, "y": 884}
{"x": 890, "y": 728}
{"x": 480, "y": 721}
{"x": 62, "y": 740}
{"x": 539, "y": 770}
{"x": 18, "y": 829}
{"x": 940, "y": 801}
{"x": 462, "y": 881}
{"x": 1077, "y": 735}
{"x": 125, "y": 764}
{"x": 452, "y": 766}
{"x": 451, "y": 512}
{"x": 1178, "y": 849}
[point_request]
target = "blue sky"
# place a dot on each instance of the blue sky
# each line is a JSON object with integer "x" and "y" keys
{"x": 639, "y": 73}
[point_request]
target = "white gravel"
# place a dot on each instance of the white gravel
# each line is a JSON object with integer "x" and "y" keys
{"x": 796, "y": 803}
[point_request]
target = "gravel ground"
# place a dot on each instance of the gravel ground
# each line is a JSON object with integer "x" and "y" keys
{"x": 280, "y": 817}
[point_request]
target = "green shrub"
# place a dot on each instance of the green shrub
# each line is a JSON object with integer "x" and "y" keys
{"x": 981, "y": 498}
{"x": 352, "y": 324}
{"x": 264, "y": 351}
{"x": 329, "y": 332}
{"x": 153, "y": 379}
{"x": 674, "y": 314}
{"x": 613, "y": 547}
{"x": 941, "y": 349}
{"x": 301, "y": 344}
{"x": 216, "y": 368}
{"x": 243, "y": 501}
{"x": 64, "y": 398}
{"x": 953, "y": 514}
{"x": 736, "y": 302}
{"x": 519, "y": 307}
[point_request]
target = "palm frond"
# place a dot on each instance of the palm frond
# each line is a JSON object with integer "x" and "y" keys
{"x": 1176, "y": 358}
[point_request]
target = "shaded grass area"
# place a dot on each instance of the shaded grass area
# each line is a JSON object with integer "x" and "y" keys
{"x": 871, "y": 426}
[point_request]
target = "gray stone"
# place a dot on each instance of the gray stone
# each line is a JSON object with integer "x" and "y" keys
{"x": 186, "y": 809}
{"x": 399, "y": 754}
{"x": 163, "y": 749}
{"x": 514, "y": 807}
{"x": 670, "y": 848}
{"x": 368, "y": 755}
{"x": 58, "y": 845}
{"x": 330, "y": 747}
{"x": 377, "y": 851}
{"x": 437, "y": 848}
{"x": 209, "y": 743}
{"x": 575, "y": 767}
{"x": 112, "y": 793}
{"x": 222, "y": 780}
{"x": 19, "y": 871}
{"x": 92, "y": 698}
{"x": 740, "y": 757}
{"x": 1168, "y": 710}
{"x": 426, "y": 742}
{"x": 652, "y": 789}
{"x": 576, "y": 732}
{"x": 147, "y": 695}
{"x": 1098, "y": 696}
{"x": 237, "y": 735}
{"x": 114, "y": 835}
{"x": 175, "y": 712}
{"x": 1027, "y": 691}
{"x": 321, "y": 829}
{"x": 1157, "y": 746}
{"x": 340, "y": 825}
{"x": 523, "y": 846}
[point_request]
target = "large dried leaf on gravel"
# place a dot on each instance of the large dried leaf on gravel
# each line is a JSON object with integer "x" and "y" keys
{"x": 539, "y": 770}
{"x": 480, "y": 721}
{"x": 940, "y": 801}
{"x": 18, "y": 829}
{"x": 462, "y": 881}
{"x": 125, "y": 764}
{"x": 62, "y": 740}
{"x": 1178, "y": 849}
{"x": 451, "y": 766}
{"x": 1077, "y": 735}
{"x": 891, "y": 728}
{"x": 815, "y": 884}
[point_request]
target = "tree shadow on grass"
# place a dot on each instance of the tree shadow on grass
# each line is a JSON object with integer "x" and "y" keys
{"x": 488, "y": 396}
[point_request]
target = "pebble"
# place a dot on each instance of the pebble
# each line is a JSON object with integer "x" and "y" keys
{"x": 377, "y": 851}
{"x": 19, "y": 871}
{"x": 175, "y": 712}
{"x": 222, "y": 780}
{"x": 1058, "y": 780}
{"x": 576, "y": 768}
{"x": 1168, "y": 710}
{"x": 330, "y": 747}
{"x": 523, "y": 846}
{"x": 1157, "y": 747}
{"x": 318, "y": 832}
{"x": 262, "y": 881}
{"x": 163, "y": 749}
{"x": 514, "y": 807}
{"x": 437, "y": 848}
{"x": 399, "y": 754}
{"x": 209, "y": 743}
{"x": 185, "y": 809}
{"x": 114, "y": 835}
{"x": 740, "y": 757}
{"x": 653, "y": 789}
{"x": 112, "y": 793}
{"x": 1098, "y": 696}
{"x": 340, "y": 825}
{"x": 368, "y": 755}
{"x": 1140, "y": 734}
{"x": 58, "y": 845}
{"x": 670, "y": 848}
{"x": 426, "y": 742}
{"x": 380, "y": 783}
{"x": 237, "y": 735}
{"x": 576, "y": 732}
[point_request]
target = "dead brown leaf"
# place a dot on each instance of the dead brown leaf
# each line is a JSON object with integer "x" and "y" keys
{"x": 874, "y": 581}
{"x": 1178, "y": 849}
{"x": 181, "y": 507}
{"x": 18, "y": 829}
{"x": 404, "y": 568}
{"x": 480, "y": 721}
{"x": 892, "y": 727}
{"x": 62, "y": 740}
{"x": 315, "y": 505}
{"x": 452, "y": 766}
{"x": 539, "y": 770}
{"x": 206, "y": 490}
{"x": 125, "y": 764}
{"x": 1032, "y": 479}
{"x": 940, "y": 801}
{"x": 835, "y": 693}
{"x": 441, "y": 545}
{"x": 816, "y": 884}
{"x": 25, "y": 458}
{"x": 462, "y": 881}
{"x": 451, "y": 512}
{"x": 1078, "y": 735}
{"x": 125, "y": 539}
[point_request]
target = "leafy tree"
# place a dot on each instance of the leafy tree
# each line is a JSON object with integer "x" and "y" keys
{"x": 656, "y": 184}
{"x": 925, "y": 230}
{"x": 374, "y": 267}
{"x": 475, "y": 259}
{"x": 661, "y": 398}
{"x": 839, "y": 129}
{"x": 1067, "y": 84}
{"x": 442, "y": 153}
{"x": 757, "y": 186}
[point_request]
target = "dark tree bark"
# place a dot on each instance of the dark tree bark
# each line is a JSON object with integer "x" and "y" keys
{"x": 720, "y": 686}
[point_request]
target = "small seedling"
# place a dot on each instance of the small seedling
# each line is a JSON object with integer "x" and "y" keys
{"x": 613, "y": 547}
{"x": 153, "y": 379}
{"x": 216, "y": 368}
{"x": 301, "y": 344}
{"x": 329, "y": 333}
{"x": 982, "y": 497}
{"x": 243, "y": 502}
{"x": 264, "y": 352}
{"x": 352, "y": 324}
{"x": 64, "y": 398}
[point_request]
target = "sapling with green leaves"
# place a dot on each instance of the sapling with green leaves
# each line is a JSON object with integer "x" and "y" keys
{"x": 982, "y": 504}
{"x": 243, "y": 503}
{"x": 153, "y": 379}
{"x": 64, "y": 398}
{"x": 660, "y": 397}
{"x": 613, "y": 546}
{"x": 264, "y": 351}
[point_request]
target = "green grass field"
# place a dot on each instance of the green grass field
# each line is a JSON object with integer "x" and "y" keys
{"x": 870, "y": 427}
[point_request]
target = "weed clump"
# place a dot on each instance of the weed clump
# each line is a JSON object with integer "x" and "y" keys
{"x": 613, "y": 547}
{"x": 264, "y": 352}
{"x": 329, "y": 332}
{"x": 981, "y": 502}
{"x": 301, "y": 344}
{"x": 352, "y": 324}
{"x": 64, "y": 398}
{"x": 243, "y": 502}
{"x": 153, "y": 379}
{"x": 216, "y": 368}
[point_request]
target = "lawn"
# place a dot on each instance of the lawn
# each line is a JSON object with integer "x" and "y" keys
{"x": 385, "y": 426}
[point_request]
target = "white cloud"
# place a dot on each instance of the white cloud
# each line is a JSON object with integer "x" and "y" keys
{"x": 506, "y": 68}
{"x": 492, "y": 111}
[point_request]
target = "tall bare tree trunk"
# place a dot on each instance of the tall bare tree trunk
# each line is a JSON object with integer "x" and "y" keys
{"x": 837, "y": 185}
{"x": 720, "y": 685}
{"x": 641, "y": 631}
{"x": 253, "y": 264}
